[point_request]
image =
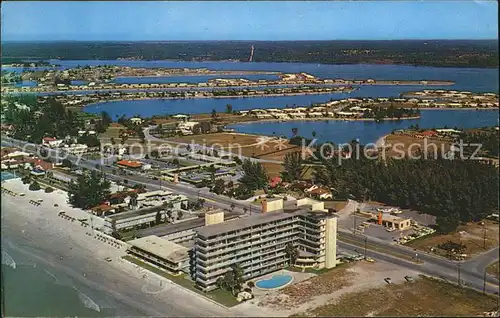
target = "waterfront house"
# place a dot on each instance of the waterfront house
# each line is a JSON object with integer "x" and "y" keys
{"x": 321, "y": 193}
{"x": 263, "y": 116}
{"x": 51, "y": 142}
{"x": 136, "y": 120}
{"x": 315, "y": 114}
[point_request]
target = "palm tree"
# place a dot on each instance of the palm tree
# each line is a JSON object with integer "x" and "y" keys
{"x": 238, "y": 273}
{"x": 221, "y": 283}
{"x": 133, "y": 199}
{"x": 292, "y": 253}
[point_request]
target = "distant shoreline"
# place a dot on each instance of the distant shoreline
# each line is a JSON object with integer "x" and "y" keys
{"x": 319, "y": 119}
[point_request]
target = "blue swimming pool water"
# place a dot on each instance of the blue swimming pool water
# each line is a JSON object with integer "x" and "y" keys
{"x": 274, "y": 282}
{"x": 7, "y": 175}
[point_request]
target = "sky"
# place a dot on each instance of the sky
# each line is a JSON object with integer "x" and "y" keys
{"x": 248, "y": 20}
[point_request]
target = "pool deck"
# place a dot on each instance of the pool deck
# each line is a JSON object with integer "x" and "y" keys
{"x": 296, "y": 278}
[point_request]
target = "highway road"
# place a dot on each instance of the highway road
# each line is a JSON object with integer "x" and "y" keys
{"x": 471, "y": 271}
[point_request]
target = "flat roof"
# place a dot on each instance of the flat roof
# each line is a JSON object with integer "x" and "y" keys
{"x": 129, "y": 214}
{"x": 249, "y": 221}
{"x": 162, "y": 248}
{"x": 215, "y": 211}
{"x": 166, "y": 229}
{"x": 394, "y": 218}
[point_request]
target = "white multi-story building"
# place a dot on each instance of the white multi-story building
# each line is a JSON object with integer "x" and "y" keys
{"x": 257, "y": 243}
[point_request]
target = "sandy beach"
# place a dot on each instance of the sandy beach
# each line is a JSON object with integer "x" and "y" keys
{"x": 38, "y": 233}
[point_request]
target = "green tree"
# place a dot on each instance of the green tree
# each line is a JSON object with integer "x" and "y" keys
{"x": 238, "y": 278}
{"x": 105, "y": 120}
{"x": 34, "y": 186}
{"x": 67, "y": 163}
{"x": 158, "y": 218}
{"x": 218, "y": 187}
{"x": 49, "y": 190}
{"x": 293, "y": 167}
{"x": 88, "y": 190}
{"x": 291, "y": 253}
{"x": 254, "y": 176}
{"x": 242, "y": 192}
{"x": 26, "y": 179}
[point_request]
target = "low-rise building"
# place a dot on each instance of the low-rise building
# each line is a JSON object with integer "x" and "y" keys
{"x": 162, "y": 253}
{"x": 129, "y": 164}
{"x": 51, "y": 142}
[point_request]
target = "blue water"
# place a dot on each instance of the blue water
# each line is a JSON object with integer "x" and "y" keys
{"x": 188, "y": 79}
{"x": 472, "y": 79}
{"x": 274, "y": 282}
{"x": 5, "y": 175}
{"x": 147, "y": 108}
{"x": 27, "y": 84}
{"x": 78, "y": 83}
{"x": 368, "y": 131}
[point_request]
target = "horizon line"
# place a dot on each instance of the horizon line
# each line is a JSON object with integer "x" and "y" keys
{"x": 167, "y": 41}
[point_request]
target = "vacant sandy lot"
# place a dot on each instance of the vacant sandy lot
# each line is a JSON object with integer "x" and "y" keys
{"x": 322, "y": 289}
{"x": 249, "y": 145}
{"x": 424, "y": 297}
{"x": 392, "y": 140}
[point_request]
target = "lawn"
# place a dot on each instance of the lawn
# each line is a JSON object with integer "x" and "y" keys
{"x": 424, "y": 297}
{"x": 221, "y": 296}
{"x": 494, "y": 269}
{"x": 471, "y": 235}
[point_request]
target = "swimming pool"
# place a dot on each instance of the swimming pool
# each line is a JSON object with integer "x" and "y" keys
{"x": 275, "y": 282}
{"x": 7, "y": 175}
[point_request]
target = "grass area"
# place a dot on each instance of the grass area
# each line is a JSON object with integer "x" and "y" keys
{"x": 221, "y": 296}
{"x": 424, "y": 297}
{"x": 471, "y": 235}
{"x": 92, "y": 156}
{"x": 494, "y": 269}
{"x": 377, "y": 248}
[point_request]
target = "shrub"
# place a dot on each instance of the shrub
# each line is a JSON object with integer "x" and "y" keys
{"x": 26, "y": 179}
{"x": 34, "y": 186}
{"x": 248, "y": 290}
{"x": 49, "y": 189}
{"x": 250, "y": 284}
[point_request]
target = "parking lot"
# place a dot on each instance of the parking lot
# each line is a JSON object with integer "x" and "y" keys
{"x": 370, "y": 228}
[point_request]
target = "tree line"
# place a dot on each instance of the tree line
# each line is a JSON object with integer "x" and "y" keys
{"x": 454, "y": 191}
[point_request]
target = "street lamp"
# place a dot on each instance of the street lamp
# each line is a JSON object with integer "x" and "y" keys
{"x": 366, "y": 239}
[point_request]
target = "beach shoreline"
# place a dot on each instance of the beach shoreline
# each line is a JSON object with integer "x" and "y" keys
{"x": 66, "y": 246}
